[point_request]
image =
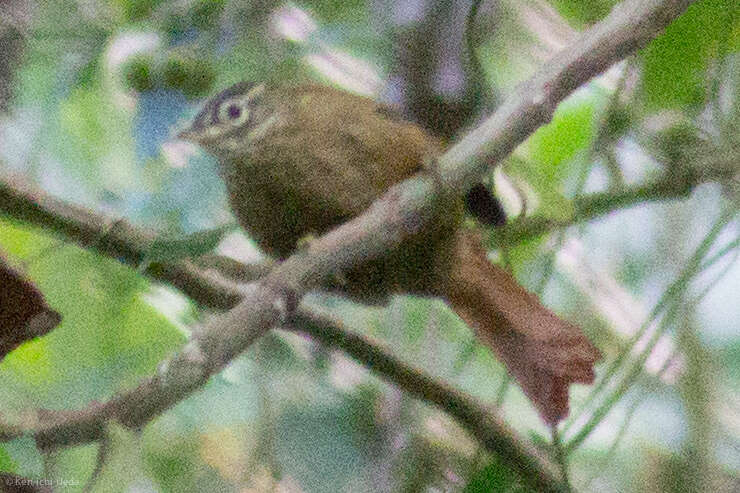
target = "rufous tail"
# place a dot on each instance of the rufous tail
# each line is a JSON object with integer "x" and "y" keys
{"x": 544, "y": 353}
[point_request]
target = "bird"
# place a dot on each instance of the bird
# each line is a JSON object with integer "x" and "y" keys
{"x": 299, "y": 160}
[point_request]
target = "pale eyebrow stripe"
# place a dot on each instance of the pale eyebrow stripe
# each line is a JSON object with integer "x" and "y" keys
{"x": 255, "y": 91}
{"x": 214, "y": 131}
{"x": 260, "y": 130}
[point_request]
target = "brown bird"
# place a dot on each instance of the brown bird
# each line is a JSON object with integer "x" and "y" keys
{"x": 298, "y": 161}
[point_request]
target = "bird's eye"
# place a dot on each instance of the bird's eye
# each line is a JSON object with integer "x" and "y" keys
{"x": 234, "y": 112}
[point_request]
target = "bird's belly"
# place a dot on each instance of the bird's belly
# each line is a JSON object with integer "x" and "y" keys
{"x": 278, "y": 219}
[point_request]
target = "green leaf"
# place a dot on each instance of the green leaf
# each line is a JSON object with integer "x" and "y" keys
{"x": 339, "y": 10}
{"x": 193, "y": 245}
{"x": 496, "y": 476}
{"x": 416, "y": 319}
{"x": 321, "y": 447}
{"x": 555, "y": 144}
{"x": 136, "y": 10}
{"x": 730, "y": 361}
{"x": 551, "y": 150}
{"x": 138, "y": 72}
{"x": 675, "y": 64}
{"x": 6, "y": 462}
{"x": 619, "y": 120}
{"x": 206, "y": 13}
{"x": 193, "y": 76}
{"x": 583, "y": 12}
{"x": 109, "y": 334}
{"x": 89, "y": 73}
{"x": 552, "y": 203}
{"x": 92, "y": 138}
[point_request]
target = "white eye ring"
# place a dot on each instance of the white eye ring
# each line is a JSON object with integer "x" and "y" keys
{"x": 233, "y": 111}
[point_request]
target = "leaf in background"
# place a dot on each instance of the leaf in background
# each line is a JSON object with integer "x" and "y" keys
{"x": 548, "y": 200}
{"x": 6, "y": 462}
{"x": 730, "y": 361}
{"x": 35, "y": 80}
{"x": 193, "y": 245}
{"x": 172, "y": 460}
{"x": 136, "y": 10}
{"x": 675, "y": 64}
{"x": 193, "y": 77}
{"x": 80, "y": 116}
{"x": 583, "y": 12}
{"x": 415, "y": 313}
{"x": 123, "y": 471}
{"x": 495, "y": 476}
{"x": 206, "y": 14}
{"x": 527, "y": 259}
{"x": 340, "y": 10}
{"x": 93, "y": 138}
{"x": 551, "y": 150}
{"x": 320, "y": 446}
{"x": 226, "y": 451}
{"x": 110, "y": 335}
{"x": 89, "y": 72}
{"x": 554, "y": 145}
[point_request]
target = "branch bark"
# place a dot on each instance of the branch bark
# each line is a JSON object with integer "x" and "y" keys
{"x": 273, "y": 301}
{"x": 479, "y": 420}
{"x": 128, "y": 244}
{"x": 719, "y": 166}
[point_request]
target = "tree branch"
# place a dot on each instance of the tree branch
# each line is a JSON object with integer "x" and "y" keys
{"x": 472, "y": 415}
{"x": 629, "y": 27}
{"x": 401, "y": 212}
{"x": 115, "y": 238}
{"x": 69, "y": 428}
{"x": 595, "y": 205}
{"x": 675, "y": 184}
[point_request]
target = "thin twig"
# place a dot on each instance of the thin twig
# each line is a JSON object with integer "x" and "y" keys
{"x": 595, "y": 205}
{"x": 670, "y": 301}
{"x": 104, "y": 446}
{"x": 561, "y": 458}
{"x": 493, "y": 433}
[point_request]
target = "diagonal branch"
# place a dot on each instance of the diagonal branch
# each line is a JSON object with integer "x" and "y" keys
{"x": 116, "y": 238}
{"x": 128, "y": 244}
{"x": 480, "y": 421}
{"x": 401, "y": 212}
{"x": 629, "y": 27}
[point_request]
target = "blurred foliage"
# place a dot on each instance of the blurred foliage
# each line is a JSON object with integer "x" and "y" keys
{"x": 495, "y": 476}
{"x": 191, "y": 76}
{"x": 194, "y": 245}
{"x": 556, "y": 144}
{"x": 583, "y": 12}
{"x": 677, "y": 65}
{"x": 101, "y": 301}
{"x": 100, "y": 87}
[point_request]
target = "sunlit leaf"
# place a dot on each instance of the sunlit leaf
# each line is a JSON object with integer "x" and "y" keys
{"x": 109, "y": 334}
{"x": 6, "y": 462}
{"x": 193, "y": 245}
{"x": 583, "y": 12}
{"x": 674, "y": 70}
{"x": 554, "y": 145}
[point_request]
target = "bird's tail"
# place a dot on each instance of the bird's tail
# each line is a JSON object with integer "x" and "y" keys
{"x": 544, "y": 353}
